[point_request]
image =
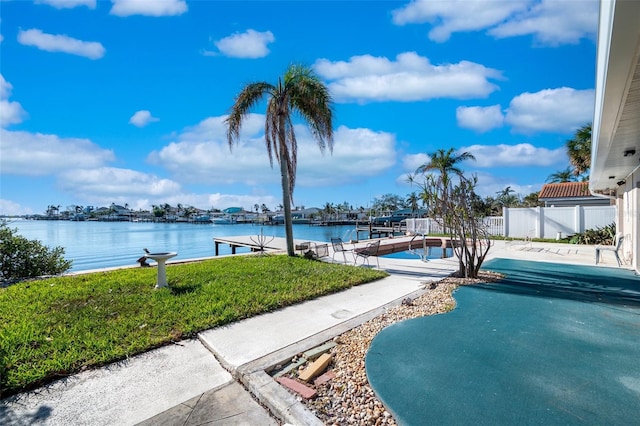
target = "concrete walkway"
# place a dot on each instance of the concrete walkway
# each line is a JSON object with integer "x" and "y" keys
{"x": 206, "y": 380}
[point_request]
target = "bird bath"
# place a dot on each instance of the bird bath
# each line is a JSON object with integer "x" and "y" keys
{"x": 161, "y": 258}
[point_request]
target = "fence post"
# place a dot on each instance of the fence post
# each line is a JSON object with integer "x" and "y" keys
{"x": 505, "y": 221}
{"x": 540, "y": 227}
{"x": 577, "y": 220}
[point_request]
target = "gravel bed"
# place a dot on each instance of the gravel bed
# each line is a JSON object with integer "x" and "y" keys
{"x": 348, "y": 399}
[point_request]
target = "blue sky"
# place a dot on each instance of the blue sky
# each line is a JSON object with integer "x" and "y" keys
{"x": 124, "y": 101}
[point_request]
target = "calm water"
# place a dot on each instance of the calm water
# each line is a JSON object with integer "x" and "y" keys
{"x": 93, "y": 245}
{"x": 431, "y": 253}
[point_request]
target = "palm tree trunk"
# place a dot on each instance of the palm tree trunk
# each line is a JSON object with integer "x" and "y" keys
{"x": 286, "y": 192}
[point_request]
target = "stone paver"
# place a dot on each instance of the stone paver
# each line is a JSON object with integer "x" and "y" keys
{"x": 228, "y": 405}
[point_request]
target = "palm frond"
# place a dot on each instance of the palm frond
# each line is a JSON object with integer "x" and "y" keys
{"x": 248, "y": 97}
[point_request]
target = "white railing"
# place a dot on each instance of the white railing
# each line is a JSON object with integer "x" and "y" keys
{"x": 427, "y": 226}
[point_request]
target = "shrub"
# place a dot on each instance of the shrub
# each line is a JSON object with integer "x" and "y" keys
{"x": 21, "y": 258}
{"x": 601, "y": 235}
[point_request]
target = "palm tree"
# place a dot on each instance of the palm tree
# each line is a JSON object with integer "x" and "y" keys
{"x": 579, "y": 150}
{"x": 562, "y": 176}
{"x": 445, "y": 163}
{"x": 507, "y": 198}
{"x": 412, "y": 202}
{"x": 299, "y": 92}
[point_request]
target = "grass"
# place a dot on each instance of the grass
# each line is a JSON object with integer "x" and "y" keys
{"x": 51, "y": 328}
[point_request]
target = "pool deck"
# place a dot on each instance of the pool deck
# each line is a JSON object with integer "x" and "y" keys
{"x": 192, "y": 380}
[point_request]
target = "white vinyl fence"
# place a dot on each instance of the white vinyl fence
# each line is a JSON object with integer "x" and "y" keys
{"x": 495, "y": 225}
{"x": 549, "y": 222}
{"x": 536, "y": 222}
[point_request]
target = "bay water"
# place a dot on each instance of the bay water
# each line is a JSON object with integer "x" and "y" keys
{"x": 93, "y": 245}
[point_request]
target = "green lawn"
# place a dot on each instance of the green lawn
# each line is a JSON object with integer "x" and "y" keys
{"x": 54, "y": 327}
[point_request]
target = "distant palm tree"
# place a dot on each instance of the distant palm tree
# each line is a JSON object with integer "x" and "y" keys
{"x": 446, "y": 163}
{"x": 412, "y": 202}
{"x": 562, "y": 176}
{"x": 579, "y": 150}
{"x": 531, "y": 200}
{"x": 507, "y": 198}
{"x": 299, "y": 92}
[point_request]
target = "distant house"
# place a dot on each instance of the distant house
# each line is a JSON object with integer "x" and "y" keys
{"x": 570, "y": 194}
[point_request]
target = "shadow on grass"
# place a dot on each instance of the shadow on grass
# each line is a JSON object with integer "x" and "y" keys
{"x": 182, "y": 289}
{"x": 574, "y": 282}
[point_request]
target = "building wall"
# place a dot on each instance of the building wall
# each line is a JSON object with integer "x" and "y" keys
{"x": 629, "y": 219}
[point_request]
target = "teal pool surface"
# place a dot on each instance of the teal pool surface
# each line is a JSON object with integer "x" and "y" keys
{"x": 550, "y": 344}
{"x": 430, "y": 253}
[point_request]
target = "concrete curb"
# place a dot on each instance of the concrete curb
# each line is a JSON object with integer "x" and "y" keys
{"x": 282, "y": 403}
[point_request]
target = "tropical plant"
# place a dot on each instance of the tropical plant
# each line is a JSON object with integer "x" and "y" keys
{"x": 387, "y": 203}
{"x": 531, "y": 200}
{"x": 579, "y": 150}
{"x": 562, "y": 176}
{"x": 446, "y": 164}
{"x": 458, "y": 213}
{"x": 412, "y": 202}
{"x": 600, "y": 235}
{"x": 21, "y": 258}
{"x": 507, "y": 198}
{"x": 298, "y": 92}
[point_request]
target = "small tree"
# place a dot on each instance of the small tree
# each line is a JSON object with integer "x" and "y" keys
{"x": 455, "y": 208}
{"x": 21, "y": 258}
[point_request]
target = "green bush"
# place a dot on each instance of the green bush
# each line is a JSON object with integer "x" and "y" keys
{"x": 601, "y": 235}
{"x": 21, "y": 258}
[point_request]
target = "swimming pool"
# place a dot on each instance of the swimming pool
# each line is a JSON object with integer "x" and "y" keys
{"x": 430, "y": 253}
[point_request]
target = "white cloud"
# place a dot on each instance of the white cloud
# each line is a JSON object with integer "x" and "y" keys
{"x": 250, "y": 44}
{"x": 551, "y": 110}
{"x": 411, "y": 162}
{"x": 409, "y": 78}
{"x": 5, "y": 88}
{"x": 489, "y": 185}
{"x": 148, "y": 7}
{"x": 9, "y": 208}
{"x": 519, "y": 155}
{"x": 554, "y": 22}
{"x": 201, "y": 155}
{"x": 142, "y": 118}
{"x": 36, "y": 154}
{"x": 357, "y": 154}
{"x": 61, "y": 43}
{"x": 551, "y": 22}
{"x": 68, "y": 4}
{"x": 453, "y": 16}
{"x": 480, "y": 119}
{"x": 109, "y": 182}
{"x": 10, "y": 112}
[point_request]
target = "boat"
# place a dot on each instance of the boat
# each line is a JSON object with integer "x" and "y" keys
{"x": 223, "y": 220}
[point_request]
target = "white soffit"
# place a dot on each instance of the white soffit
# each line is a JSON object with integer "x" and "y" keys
{"x": 616, "y": 125}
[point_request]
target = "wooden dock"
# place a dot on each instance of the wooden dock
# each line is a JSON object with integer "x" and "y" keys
{"x": 380, "y": 231}
{"x": 387, "y": 245}
{"x": 256, "y": 244}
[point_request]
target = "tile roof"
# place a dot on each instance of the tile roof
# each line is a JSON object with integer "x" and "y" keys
{"x": 565, "y": 190}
